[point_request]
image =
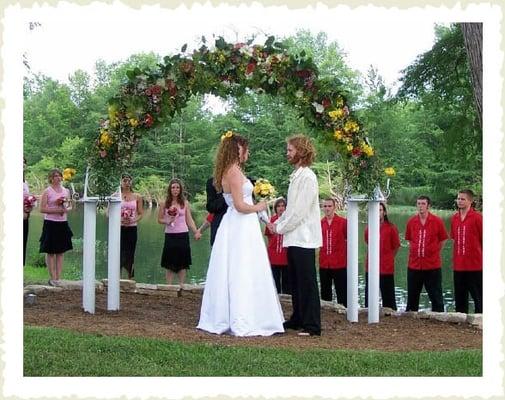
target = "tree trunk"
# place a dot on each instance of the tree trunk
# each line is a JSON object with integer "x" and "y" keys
{"x": 472, "y": 34}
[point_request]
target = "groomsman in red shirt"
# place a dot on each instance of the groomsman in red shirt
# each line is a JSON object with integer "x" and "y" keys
{"x": 277, "y": 254}
{"x": 389, "y": 245}
{"x": 466, "y": 231}
{"x": 426, "y": 235}
{"x": 333, "y": 254}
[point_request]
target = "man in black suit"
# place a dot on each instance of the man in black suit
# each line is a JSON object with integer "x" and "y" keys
{"x": 216, "y": 205}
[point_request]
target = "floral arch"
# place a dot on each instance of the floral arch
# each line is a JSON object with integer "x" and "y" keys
{"x": 153, "y": 97}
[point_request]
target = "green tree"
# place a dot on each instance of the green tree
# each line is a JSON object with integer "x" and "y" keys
{"x": 49, "y": 117}
{"x": 330, "y": 59}
{"x": 472, "y": 34}
{"x": 438, "y": 85}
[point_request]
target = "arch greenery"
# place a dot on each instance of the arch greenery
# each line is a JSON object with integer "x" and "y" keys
{"x": 152, "y": 97}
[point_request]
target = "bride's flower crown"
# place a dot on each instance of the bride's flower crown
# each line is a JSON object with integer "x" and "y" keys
{"x": 227, "y": 135}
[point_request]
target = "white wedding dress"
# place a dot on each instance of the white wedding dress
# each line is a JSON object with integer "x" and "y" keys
{"x": 240, "y": 297}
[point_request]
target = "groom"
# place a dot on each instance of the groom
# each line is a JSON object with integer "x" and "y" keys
{"x": 300, "y": 224}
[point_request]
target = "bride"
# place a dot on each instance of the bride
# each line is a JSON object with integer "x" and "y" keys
{"x": 240, "y": 297}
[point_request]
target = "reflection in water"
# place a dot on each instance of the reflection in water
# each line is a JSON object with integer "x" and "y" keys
{"x": 150, "y": 245}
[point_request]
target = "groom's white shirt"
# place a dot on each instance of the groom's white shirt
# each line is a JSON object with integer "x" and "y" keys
{"x": 301, "y": 222}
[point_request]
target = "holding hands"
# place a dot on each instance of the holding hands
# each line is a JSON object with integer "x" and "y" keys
{"x": 261, "y": 206}
{"x": 198, "y": 234}
{"x": 271, "y": 228}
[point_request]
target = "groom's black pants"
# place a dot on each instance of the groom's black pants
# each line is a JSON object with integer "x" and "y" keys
{"x": 304, "y": 290}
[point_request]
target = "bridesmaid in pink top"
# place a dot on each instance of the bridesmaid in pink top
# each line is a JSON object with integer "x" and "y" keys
{"x": 175, "y": 214}
{"x": 131, "y": 213}
{"x": 56, "y": 237}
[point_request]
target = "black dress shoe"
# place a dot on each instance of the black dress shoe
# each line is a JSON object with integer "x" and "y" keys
{"x": 291, "y": 325}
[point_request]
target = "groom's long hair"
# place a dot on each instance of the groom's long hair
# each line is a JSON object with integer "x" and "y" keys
{"x": 305, "y": 151}
{"x": 227, "y": 155}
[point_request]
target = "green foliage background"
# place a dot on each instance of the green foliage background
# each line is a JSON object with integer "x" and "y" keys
{"x": 428, "y": 130}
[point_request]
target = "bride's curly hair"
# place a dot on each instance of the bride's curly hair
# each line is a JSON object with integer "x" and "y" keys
{"x": 227, "y": 155}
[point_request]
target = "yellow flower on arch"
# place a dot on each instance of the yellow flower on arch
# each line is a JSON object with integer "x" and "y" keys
{"x": 68, "y": 174}
{"x": 338, "y": 134}
{"x": 106, "y": 138}
{"x": 390, "y": 171}
{"x": 368, "y": 150}
{"x": 351, "y": 126}
{"x": 336, "y": 114}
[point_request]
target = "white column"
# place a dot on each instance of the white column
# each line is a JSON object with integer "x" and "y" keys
{"x": 113, "y": 255}
{"x": 88, "y": 256}
{"x": 352, "y": 261}
{"x": 373, "y": 261}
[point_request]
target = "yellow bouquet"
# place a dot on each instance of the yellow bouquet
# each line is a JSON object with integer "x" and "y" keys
{"x": 265, "y": 191}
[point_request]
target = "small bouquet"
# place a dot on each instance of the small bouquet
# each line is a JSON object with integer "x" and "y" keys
{"x": 126, "y": 213}
{"x": 265, "y": 191}
{"x": 64, "y": 202}
{"x": 172, "y": 212}
{"x": 29, "y": 202}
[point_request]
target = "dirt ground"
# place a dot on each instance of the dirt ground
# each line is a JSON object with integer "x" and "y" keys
{"x": 175, "y": 318}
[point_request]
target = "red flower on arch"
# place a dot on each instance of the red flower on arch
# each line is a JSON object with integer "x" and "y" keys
{"x": 148, "y": 120}
{"x": 250, "y": 68}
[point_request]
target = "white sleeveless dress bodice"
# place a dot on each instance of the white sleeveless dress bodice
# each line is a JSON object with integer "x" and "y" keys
{"x": 240, "y": 297}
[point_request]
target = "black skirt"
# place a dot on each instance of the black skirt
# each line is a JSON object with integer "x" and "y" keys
{"x": 26, "y": 225}
{"x": 176, "y": 252}
{"x": 128, "y": 245}
{"x": 56, "y": 237}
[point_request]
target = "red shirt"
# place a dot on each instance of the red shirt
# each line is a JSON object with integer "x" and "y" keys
{"x": 425, "y": 241}
{"x": 467, "y": 236}
{"x": 277, "y": 254}
{"x": 389, "y": 243}
{"x": 333, "y": 253}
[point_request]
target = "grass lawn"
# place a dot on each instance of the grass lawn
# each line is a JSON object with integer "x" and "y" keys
{"x": 58, "y": 352}
{"x": 35, "y": 275}
{"x": 40, "y": 275}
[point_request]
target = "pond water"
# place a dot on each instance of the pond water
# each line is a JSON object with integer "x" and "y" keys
{"x": 150, "y": 245}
